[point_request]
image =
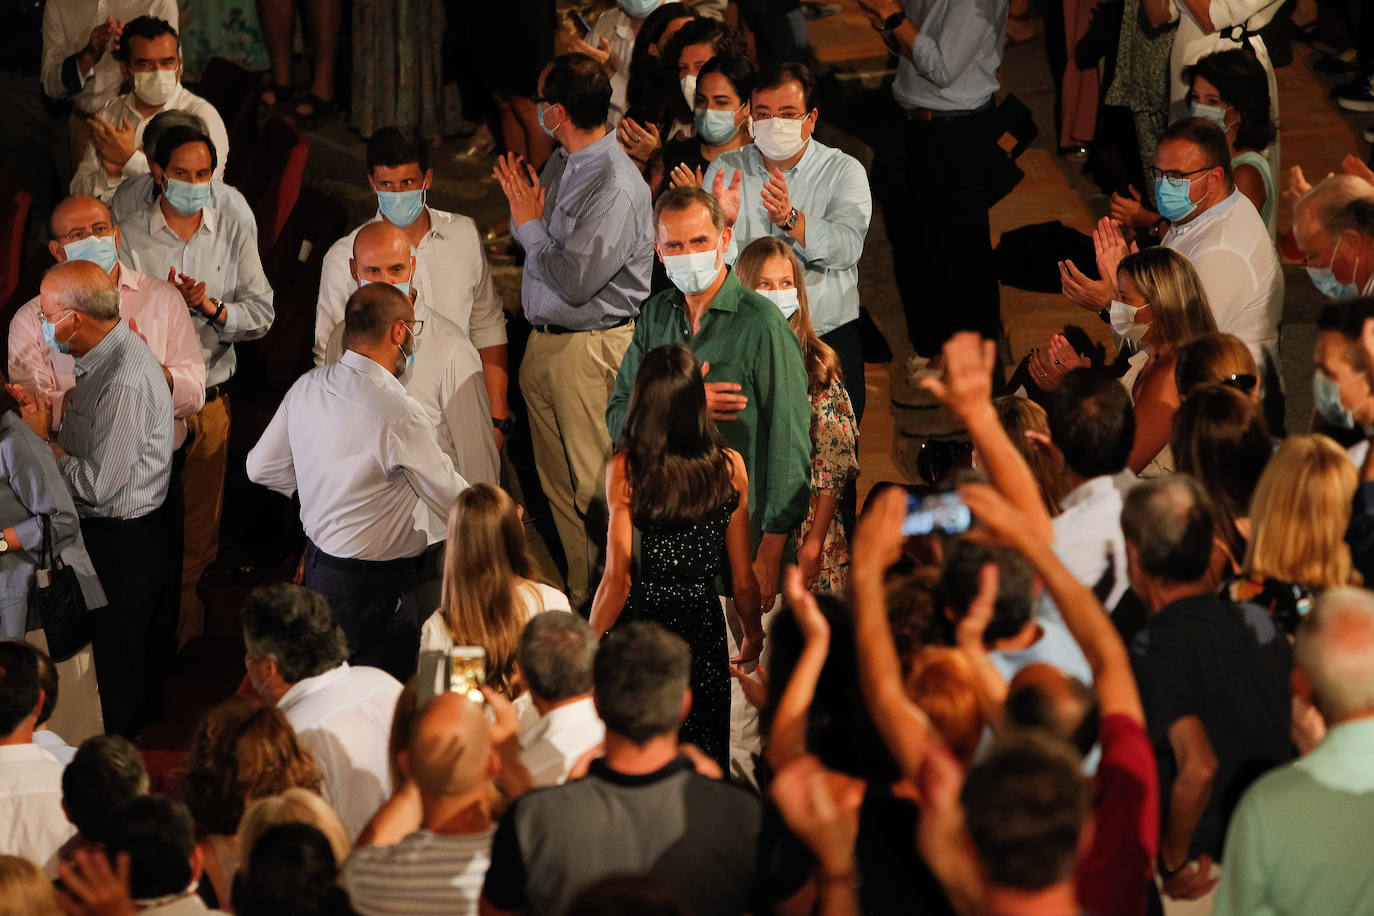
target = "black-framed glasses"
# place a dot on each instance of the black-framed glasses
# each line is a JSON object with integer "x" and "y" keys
{"x": 1176, "y": 175}
{"x": 415, "y": 327}
{"x": 1243, "y": 382}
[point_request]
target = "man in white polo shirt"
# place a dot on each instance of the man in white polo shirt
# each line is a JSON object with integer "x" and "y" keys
{"x": 556, "y": 653}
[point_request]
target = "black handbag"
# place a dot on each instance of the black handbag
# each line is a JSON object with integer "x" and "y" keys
{"x": 55, "y": 598}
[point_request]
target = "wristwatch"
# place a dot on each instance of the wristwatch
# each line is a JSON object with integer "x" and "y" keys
{"x": 4, "y": 545}
{"x": 504, "y": 425}
{"x": 1105, "y": 314}
{"x": 791, "y": 222}
{"x": 891, "y": 22}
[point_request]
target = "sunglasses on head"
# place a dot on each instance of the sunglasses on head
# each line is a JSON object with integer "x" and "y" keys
{"x": 1241, "y": 381}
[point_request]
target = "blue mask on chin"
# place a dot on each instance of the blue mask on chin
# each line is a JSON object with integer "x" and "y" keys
{"x": 1171, "y": 197}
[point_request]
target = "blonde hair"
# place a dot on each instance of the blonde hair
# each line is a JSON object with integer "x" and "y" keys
{"x": 944, "y": 684}
{"x": 294, "y": 806}
{"x": 1299, "y": 514}
{"x": 1019, "y": 416}
{"x": 822, "y": 363}
{"x": 25, "y": 890}
{"x": 485, "y": 556}
{"x": 1175, "y": 295}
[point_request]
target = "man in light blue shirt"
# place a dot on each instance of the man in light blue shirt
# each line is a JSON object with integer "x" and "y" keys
{"x": 789, "y": 185}
{"x": 586, "y": 225}
{"x": 202, "y": 245}
{"x": 1299, "y": 841}
{"x": 948, "y": 52}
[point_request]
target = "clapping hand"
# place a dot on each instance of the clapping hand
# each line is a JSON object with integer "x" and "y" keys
{"x": 1093, "y": 295}
{"x": 1111, "y": 247}
{"x": 684, "y": 176}
{"x": 1131, "y": 211}
{"x": 104, "y": 36}
{"x": 1048, "y": 368}
{"x": 36, "y": 411}
{"x": 113, "y": 144}
{"x": 192, "y": 290}
{"x": 727, "y": 196}
{"x": 638, "y": 140}
{"x": 520, "y": 183}
{"x": 776, "y": 202}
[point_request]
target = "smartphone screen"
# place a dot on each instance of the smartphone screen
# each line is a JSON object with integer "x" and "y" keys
{"x": 467, "y": 672}
{"x": 945, "y": 511}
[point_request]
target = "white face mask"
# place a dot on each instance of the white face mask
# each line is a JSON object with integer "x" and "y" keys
{"x": 689, "y": 89}
{"x": 784, "y": 299}
{"x": 1123, "y": 321}
{"x": 778, "y": 138}
{"x": 156, "y": 86}
{"x": 695, "y": 272}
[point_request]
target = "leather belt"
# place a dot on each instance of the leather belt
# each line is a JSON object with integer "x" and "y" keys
{"x": 930, "y": 114}
{"x": 557, "y": 329}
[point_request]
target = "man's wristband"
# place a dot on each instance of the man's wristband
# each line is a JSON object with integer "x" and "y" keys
{"x": 891, "y": 22}
{"x": 504, "y": 425}
{"x": 214, "y": 319}
{"x": 1165, "y": 872}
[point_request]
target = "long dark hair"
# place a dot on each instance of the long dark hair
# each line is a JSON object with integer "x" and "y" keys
{"x": 675, "y": 459}
{"x": 649, "y": 84}
{"x": 725, "y": 41}
{"x": 1243, "y": 84}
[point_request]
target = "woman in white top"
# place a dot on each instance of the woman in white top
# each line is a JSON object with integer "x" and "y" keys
{"x": 489, "y": 592}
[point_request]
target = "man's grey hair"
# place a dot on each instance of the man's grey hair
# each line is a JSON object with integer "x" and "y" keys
{"x": 640, "y": 675}
{"x": 1335, "y": 649}
{"x": 1341, "y": 202}
{"x": 555, "y": 654}
{"x": 100, "y": 302}
{"x": 164, "y": 121}
{"x": 294, "y": 627}
{"x": 1169, "y": 521}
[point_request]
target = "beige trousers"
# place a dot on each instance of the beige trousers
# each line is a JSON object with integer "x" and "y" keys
{"x": 567, "y": 380}
{"x": 202, "y": 482}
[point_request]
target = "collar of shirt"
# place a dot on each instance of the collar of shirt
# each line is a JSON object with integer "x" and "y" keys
{"x": 157, "y": 220}
{"x": 726, "y": 300}
{"x": 1343, "y": 760}
{"x": 310, "y": 685}
{"x": 371, "y": 368}
{"x": 129, "y": 278}
{"x": 1209, "y": 215}
{"x": 600, "y": 769}
{"x": 110, "y": 344}
{"x": 438, "y": 219}
{"x": 573, "y": 716}
{"x": 623, "y": 29}
{"x": 22, "y": 753}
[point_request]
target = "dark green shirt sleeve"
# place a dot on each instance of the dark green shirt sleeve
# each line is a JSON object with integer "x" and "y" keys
{"x": 785, "y": 431}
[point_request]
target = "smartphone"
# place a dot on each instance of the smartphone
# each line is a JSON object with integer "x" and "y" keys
{"x": 579, "y": 23}
{"x": 945, "y": 511}
{"x": 462, "y": 670}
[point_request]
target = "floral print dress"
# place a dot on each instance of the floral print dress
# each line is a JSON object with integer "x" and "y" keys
{"x": 834, "y": 462}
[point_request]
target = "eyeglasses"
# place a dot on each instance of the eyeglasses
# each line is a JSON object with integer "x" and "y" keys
{"x": 415, "y": 327}
{"x": 1243, "y": 382}
{"x": 1174, "y": 174}
{"x": 83, "y": 232}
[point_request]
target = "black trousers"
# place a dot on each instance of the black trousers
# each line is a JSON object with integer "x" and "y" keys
{"x": 134, "y": 638}
{"x": 847, "y": 342}
{"x": 942, "y": 243}
{"x": 374, "y": 603}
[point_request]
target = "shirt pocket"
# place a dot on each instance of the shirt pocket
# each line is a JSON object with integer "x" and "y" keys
{"x": 75, "y": 435}
{"x": 562, "y": 223}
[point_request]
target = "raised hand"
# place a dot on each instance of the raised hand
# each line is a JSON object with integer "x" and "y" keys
{"x": 684, "y": 177}
{"x": 1131, "y": 210}
{"x": 601, "y": 53}
{"x": 967, "y": 383}
{"x": 191, "y": 289}
{"x": 776, "y": 202}
{"x": 1111, "y": 247}
{"x": 1093, "y": 295}
{"x": 520, "y": 183}
{"x": 113, "y": 144}
{"x": 728, "y": 195}
{"x": 638, "y": 140}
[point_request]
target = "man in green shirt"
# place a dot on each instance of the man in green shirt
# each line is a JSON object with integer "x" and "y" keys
{"x": 756, "y": 382}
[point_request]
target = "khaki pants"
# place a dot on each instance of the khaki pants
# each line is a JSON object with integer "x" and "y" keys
{"x": 207, "y": 455}
{"x": 567, "y": 380}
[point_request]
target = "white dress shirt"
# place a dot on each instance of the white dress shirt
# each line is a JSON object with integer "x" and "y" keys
{"x": 451, "y": 275}
{"x": 560, "y": 739}
{"x": 32, "y": 823}
{"x": 343, "y": 717}
{"x": 91, "y": 178}
{"x": 67, "y": 27}
{"x": 1087, "y": 535}
{"x": 362, "y": 454}
{"x": 448, "y": 383}
{"x": 222, "y": 254}
{"x": 831, "y": 188}
{"x": 156, "y": 308}
{"x": 954, "y": 60}
{"x": 1230, "y": 248}
{"x": 615, "y": 26}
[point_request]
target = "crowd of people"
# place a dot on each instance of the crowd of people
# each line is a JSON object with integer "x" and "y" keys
{"x": 1120, "y": 662}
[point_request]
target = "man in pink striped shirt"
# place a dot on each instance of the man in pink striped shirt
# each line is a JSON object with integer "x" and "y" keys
{"x": 83, "y": 230}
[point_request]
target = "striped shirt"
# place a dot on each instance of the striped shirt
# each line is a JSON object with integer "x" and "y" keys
{"x": 117, "y": 429}
{"x": 424, "y": 873}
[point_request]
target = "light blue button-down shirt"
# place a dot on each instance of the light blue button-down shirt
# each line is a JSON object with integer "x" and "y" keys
{"x": 222, "y": 254}
{"x": 589, "y": 259}
{"x": 831, "y": 188}
{"x": 954, "y": 61}
{"x": 1300, "y": 839}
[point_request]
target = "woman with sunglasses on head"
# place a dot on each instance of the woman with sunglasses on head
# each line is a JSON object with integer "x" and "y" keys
{"x": 1216, "y": 359}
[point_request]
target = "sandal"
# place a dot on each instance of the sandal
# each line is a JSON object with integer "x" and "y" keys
{"x": 282, "y": 96}
{"x": 321, "y": 111}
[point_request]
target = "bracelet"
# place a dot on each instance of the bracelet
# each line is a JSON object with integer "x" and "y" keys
{"x": 1165, "y": 872}
{"x": 214, "y": 319}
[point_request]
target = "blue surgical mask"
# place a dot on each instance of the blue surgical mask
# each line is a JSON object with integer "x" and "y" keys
{"x": 50, "y": 335}
{"x": 98, "y": 249}
{"x": 1214, "y": 113}
{"x": 638, "y": 9}
{"x": 784, "y": 299}
{"x": 188, "y": 198}
{"x": 403, "y": 286}
{"x": 715, "y": 126}
{"x": 1326, "y": 395}
{"x": 539, "y": 113}
{"x": 401, "y": 208}
{"x": 404, "y": 374}
{"x": 695, "y": 272}
{"x": 1324, "y": 279}
{"x": 1171, "y": 197}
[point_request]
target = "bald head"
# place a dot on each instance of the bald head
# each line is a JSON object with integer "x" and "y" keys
{"x": 76, "y": 212}
{"x": 79, "y": 286}
{"x": 1336, "y": 203}
{"x": 450, "y": 748}
{"x": 75, "y": 222}
{"x": 1042, "y": 696}
{"x": 371, "y": 314}
{"x": 1335, "y": 652}
{"x": 381, "y": 254}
